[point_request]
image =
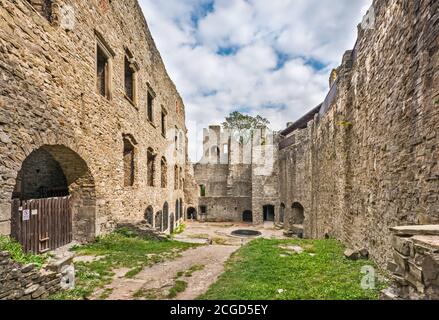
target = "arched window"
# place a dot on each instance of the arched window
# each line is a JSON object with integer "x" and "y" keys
{"x": 128, "y": 162}
{"x": 181, "y": 212}
{"x": 149, "y": 216}
{"x": 298, "y": 214}
{"x": 202, "y": 190}
{"x": 177, "y": 209}
{"x": 164, "y": 173}
{"x": 165, "y": 216}
{"x": 159, "y": 221}
{"x": 150, "y": 167}
{"x": 176, "y": 177}
{"x": 180, "y": 176}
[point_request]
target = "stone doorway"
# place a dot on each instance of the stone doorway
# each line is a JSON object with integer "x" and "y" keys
{"x": 172, "y": 223}
{"x": 298, "y": 214}
{"x": 55, "y": 171}
{"x": 192, "y": 213}
{"x": 269, "y": 213}
{"x": 247, "y": 216}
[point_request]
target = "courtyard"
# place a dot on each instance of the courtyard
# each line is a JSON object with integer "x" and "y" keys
{"x": 205, "y": 261}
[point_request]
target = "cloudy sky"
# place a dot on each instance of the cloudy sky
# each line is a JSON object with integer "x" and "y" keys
{"x": 266, "y": 57}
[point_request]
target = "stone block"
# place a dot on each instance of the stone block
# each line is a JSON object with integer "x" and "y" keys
{"x": 424, "y": 230}
{"x": 430, "y": 268}
{"x": 402, "y": 245}
{"x": 352, "y": 255}
{"x": 5, "y": 228}
{"x": 401, "y": 261}
{"x": 5, "y": 212}
{"x": 415, "y": 272}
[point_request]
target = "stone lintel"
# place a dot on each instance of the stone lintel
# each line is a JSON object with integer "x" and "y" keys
{"x": 425, "y": 230}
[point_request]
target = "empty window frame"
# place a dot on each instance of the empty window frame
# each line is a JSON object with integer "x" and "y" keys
{"x": 164, "y": 173}
{"x": 150, "y": 105}
{"x": 202, "y": 190}
{"x": 164, "y": 121}
{"x": 150, "y": 167}
{"x": 104, "y": 56}
{"x": 176, "y": 178}
{"x": 128, "y": 163}
{"x": 130, "y": 77}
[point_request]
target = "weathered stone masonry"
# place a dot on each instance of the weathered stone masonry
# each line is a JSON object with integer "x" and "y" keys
{"x": 367, "y": 159}
{"x": 50, "y": 104}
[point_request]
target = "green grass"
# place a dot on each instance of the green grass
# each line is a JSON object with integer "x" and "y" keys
{"x": 118, "y": 250}
{"x": 179, "y": 286}
{"x": 192, "y": 270}
{"x": 18, "y": 255}
{"x": 179, "y": 230}
{"x": 262, "y": 270}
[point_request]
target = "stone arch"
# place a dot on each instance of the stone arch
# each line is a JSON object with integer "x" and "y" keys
{"x": 177, "y": 208}
{"x": 297, "y": 214}
{"x": 165, "y": 216}
{"x": 57, "y": 171}
{"x": 191, "y": 213}
{"x": 282, "y": 213}
{"x": 159, "y": 221}
{"x": 149, "y": 216}
{"x": 269, "y": 213}
{"x": 171, "y": 222}
{"x": 247, "y": 216}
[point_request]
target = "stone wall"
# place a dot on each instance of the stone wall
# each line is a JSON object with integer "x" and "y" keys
{"x": 415, "y": 266}
{"x": 19, "y": 282}
{"x": 368, "y": 160}
{"x": 49, "y": 100}
{"x": 238, "y": 176}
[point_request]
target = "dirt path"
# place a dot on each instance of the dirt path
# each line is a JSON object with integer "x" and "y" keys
{"x": 203, "y": 264}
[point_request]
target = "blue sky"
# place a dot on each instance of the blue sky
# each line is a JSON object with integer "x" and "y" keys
{"x": 267, "y": 57}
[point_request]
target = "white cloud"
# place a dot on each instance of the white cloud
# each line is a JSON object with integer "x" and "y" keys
{"x": 280, "y": 53}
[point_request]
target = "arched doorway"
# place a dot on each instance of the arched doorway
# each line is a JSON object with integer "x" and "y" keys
{"x": 54, "y": 200}
{"x": 298, "y": 214}
{"x": 177, "y": 208}
{"x": 192, "y": 213}
{"x": 181, "y": 211}
{"x": 159, "y": 221}
{"x": 165, "y": 217}
{"x": 282, "y": 213}
{"x": 149, "y": 216}
{"x": 247, "y": 216}
{"x": 172, "y": 223}
{"x": 269, "y": 213}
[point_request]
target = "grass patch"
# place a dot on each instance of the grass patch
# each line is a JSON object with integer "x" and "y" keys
{"x": 259, "y": 272}
{"x": 180, "y": 229}
{"x": 193, "y": 269}
{"x": 18, "y": 255}
{"x": 179, "y": 286}
{"x": 133, "y": 272}
{"x": 122, "y": 249}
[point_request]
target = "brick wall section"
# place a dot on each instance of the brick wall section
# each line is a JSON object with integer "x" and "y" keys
{"x": 19, "y": 282}
{"x": 371, "y": 161}
{"x": 48, "y": 96}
